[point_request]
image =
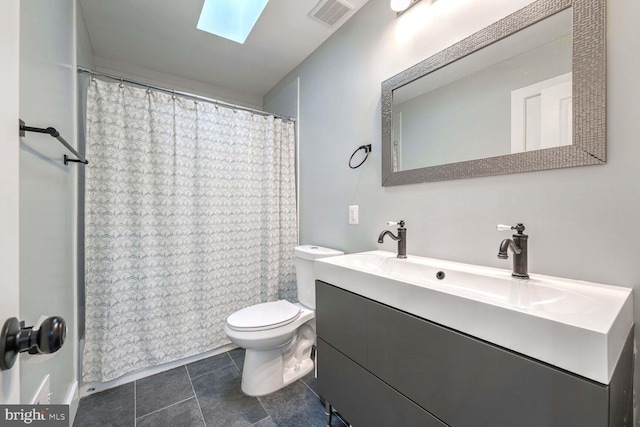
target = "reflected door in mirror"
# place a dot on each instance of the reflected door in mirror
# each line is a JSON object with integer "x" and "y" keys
{"x": 497, "y": 101}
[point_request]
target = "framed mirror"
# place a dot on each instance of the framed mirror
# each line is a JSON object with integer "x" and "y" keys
{"x": 526, "y": 93}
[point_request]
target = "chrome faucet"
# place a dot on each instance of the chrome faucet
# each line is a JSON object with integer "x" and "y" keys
{"x": 401, "y": 238}
{"x": 519, "y": 247}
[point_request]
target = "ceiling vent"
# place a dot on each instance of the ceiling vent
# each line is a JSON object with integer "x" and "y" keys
{"x": 329, "y": 12}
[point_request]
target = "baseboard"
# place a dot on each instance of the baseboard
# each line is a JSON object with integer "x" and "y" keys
{"x": 72, "y": 399}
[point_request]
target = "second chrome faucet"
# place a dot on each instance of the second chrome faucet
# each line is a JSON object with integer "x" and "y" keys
{"x": 401, "y": 238}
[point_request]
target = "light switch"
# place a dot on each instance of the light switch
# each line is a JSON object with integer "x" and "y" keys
{"x": 353, "y": 214}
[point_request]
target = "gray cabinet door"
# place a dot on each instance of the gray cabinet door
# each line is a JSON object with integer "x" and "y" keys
{"x": 363, "y": 399}
{"x": 342, "y": 322}
{"x": 461, "y": 380}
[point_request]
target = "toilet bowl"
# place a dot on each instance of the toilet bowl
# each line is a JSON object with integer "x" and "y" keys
{"x": 278, "y": 336}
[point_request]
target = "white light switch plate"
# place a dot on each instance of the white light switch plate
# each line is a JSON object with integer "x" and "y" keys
{"x": 353, "y": 214}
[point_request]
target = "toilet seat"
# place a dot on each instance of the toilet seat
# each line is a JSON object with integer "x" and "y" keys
{"x": 268, "y": 315}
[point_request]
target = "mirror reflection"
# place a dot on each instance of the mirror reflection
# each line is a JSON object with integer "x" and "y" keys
{"x": 510, "y": 97}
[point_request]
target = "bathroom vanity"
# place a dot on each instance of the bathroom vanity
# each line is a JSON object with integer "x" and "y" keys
{"x": 422, "y": 342}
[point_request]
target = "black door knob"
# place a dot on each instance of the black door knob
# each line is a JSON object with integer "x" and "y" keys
{"x": 51, "y": 336}
{"x": 14, "y": 339}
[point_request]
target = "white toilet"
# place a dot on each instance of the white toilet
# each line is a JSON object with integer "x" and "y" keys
{"x": 278, "y": 336}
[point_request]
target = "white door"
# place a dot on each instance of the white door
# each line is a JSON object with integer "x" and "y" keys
{"x": 541, "y": 115}
{"x": 9, "y": 161}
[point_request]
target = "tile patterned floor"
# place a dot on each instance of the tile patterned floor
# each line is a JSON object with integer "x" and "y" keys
{"x": 204, "y": 393}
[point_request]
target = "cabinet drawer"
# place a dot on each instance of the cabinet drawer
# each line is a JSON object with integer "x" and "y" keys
{"x": 468, "y": 383}
{"x": 363, "y": 399}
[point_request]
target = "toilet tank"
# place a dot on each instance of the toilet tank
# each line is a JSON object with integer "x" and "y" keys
{"x": 305, "y": 277}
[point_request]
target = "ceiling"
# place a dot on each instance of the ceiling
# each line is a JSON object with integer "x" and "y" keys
{"x": 161, "y": 35}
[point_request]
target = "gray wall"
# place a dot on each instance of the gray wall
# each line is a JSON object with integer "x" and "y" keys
{"x": 286, "y": 103}
{"x": 581, "y": 221}
{"x": 84, "y": 57}
{"x": 9, "y": 191}
{"x": 48, "y": 189}
{"x": 84, "y": 49}
{"x": 431, "y": 123}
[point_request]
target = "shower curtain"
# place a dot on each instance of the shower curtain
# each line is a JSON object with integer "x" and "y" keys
{"x": 190, "y": 216}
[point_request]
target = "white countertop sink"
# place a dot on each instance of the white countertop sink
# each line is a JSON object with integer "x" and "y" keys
{"x": 577, "y": 326}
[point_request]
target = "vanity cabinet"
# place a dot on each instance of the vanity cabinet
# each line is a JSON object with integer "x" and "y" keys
{"x": 379, "y": 366}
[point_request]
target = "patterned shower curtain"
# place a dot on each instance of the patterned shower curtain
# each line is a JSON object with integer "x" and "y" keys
{"x": 190, "y": 216}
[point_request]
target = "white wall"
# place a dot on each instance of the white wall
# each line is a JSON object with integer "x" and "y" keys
{"x": 9, "y": 190}
{"x": 86, "y": 58}
{"x": 581, "y": 221}
{"x": 48, "y": 188}
{"x": 153, "y": 77}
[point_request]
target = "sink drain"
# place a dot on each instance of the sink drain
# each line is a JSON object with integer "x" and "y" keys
{"x": 440, "y": 275}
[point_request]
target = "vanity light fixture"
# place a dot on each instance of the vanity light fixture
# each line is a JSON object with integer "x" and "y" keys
{"x": 400, "y": 6}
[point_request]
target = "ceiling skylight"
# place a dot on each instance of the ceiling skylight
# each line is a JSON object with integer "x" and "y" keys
{"x": 231, "y": 19}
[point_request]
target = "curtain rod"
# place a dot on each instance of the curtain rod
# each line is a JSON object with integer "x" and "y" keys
{"x": 185, "y": 94}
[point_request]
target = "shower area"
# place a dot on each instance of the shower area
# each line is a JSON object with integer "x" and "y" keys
{"x": 187, "y": 214}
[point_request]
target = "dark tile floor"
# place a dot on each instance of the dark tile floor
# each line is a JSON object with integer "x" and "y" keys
{"x": 204, "y": 393}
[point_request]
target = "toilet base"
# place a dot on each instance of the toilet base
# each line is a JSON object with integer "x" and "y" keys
{"x": 264, "y": 372}
{"x": 268, "y": 370}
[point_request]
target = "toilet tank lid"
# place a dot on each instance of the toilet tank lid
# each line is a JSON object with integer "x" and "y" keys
{"x": 314, "y": 252}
